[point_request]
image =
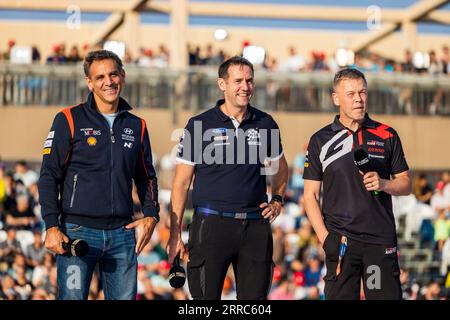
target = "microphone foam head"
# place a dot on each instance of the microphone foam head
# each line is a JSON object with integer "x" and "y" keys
{"x": 177, "y": 276}
{"x": 79, "y": 248}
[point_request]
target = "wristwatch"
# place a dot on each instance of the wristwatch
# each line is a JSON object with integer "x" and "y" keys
{"x": 277, "y": 198}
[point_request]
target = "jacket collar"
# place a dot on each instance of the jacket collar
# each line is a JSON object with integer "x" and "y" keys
{"x": 123, "y": 105}
{"x": 249, "y": 114}
{"x": 367, "y": 123}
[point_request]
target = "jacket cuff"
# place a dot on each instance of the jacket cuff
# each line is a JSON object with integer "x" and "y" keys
{"x": 51, "y": 220}
{"x": 152, "y": 212}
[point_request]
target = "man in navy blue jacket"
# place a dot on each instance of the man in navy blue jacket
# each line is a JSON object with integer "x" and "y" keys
{"x": 93, "y": 153}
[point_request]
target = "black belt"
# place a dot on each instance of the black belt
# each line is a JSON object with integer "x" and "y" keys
{"x": 253, "y": 215}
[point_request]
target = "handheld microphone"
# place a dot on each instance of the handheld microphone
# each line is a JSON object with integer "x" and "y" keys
{"x": 362, "y": 161}
{"x": 75, "y": 248}
{"x": 177, "y": 275}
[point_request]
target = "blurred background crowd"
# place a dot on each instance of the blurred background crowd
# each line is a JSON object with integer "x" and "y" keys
{"x": 28, "y": 271}
{"x": 431, "y": 62}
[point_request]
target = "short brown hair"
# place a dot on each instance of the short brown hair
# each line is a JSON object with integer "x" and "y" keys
{"x": 236, "y": 60}
{"x": 348, "y": 73}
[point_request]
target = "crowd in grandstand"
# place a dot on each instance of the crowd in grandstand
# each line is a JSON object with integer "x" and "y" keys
{"x": 28, "y": 270}
{"x": 432, "y": 62}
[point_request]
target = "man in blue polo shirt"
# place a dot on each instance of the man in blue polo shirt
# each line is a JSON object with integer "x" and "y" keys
{"x": 230, "y": 149}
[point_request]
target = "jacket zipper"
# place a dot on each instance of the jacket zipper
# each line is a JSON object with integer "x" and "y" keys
{"x": 75, "y": 179}
{"x": 113, "y": 140}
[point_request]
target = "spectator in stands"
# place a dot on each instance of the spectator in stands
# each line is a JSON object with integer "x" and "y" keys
{"x": 62, "y": 51}
{"x": 211, "y": 59}
{"x": 284, "y": 291}
{"x": 293, "y": 63}
{"x": 2, "y": 185}
{"x": 161, "y": 60}
{"x": 422, "y": 189}
{"x": 318, "y": 62}
{"x": 408, "y": 65}
{"x": 439, "y": 201}
{"x": 35, "y": 206}
{"x": 85, "y": 48}
{"x": 7, "y": 291}
{"x": 445, "y": 60}
{"x": 296, "y": 183}
{"x": 35, "y": 251}
{"x": 23, "y": 284}
{"x": 160, "y": 280}
{"x": 35, "y": 54}
{"x": 7, "y": 54}
{"x": 148, "y": 291}
{"x": 25, "y": 174}
{"x": 386, "y": 65}
{"x": 360, "y": 63}
{"x": 431, "y": 291}
{"x": 313, "y": 294}
{"x": 10, "y": 247}
{"x": 40, "y": 294}
{"x": 41, "y": 273}
{"x": 145, "y": 58}
{"x": 445, "y": 177}
{"x": 374, "y": 63}
{"x": 194, "y": 56}
{"x": 56, "y": 57}
{"x": 149, "y": 258}
{"x": 435, "y": 65}
{"x": 405, "y": 283}
{"x": 74, "y": 55}
{"x": 271, "y": 64}
{"x": 441, "y": 229}
{"x": 22, "y": 217}
{"x": 313, "y": 271}
{"x": 50, "y": 284}
{"x": 20, "y": 262}
{"x": 9, "y": 201}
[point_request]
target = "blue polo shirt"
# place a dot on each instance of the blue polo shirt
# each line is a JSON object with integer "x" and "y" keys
{"x": 230, "y": 158}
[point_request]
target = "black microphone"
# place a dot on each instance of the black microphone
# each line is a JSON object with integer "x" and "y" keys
{"x": 75, "y": 248}
{"x": 362, "y": 161}
{"x": 177, "y": 275}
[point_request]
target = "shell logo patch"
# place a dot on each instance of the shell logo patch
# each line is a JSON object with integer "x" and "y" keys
{"x": 92, "y": 141}
{"x": 47, "y": 151}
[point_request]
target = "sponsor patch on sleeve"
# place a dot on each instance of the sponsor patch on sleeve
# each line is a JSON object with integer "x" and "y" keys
{"x": 47, "y": 151}
{"x": 51, "y": 135}
{"x": 48, "y": 143}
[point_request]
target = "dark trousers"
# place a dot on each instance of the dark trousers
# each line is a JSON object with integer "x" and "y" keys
{"x": 215, "y": 242}
{"x": 375, "y": 266}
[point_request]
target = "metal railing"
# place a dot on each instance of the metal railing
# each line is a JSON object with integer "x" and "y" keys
{"x": 196, "y": 89}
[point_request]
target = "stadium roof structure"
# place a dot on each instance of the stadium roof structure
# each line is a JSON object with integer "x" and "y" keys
{"x": 126, "y": 14}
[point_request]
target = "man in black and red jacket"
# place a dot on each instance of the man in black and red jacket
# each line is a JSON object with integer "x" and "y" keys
{"x": 355, "y": 222}
{"x": 93, "y": 153}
